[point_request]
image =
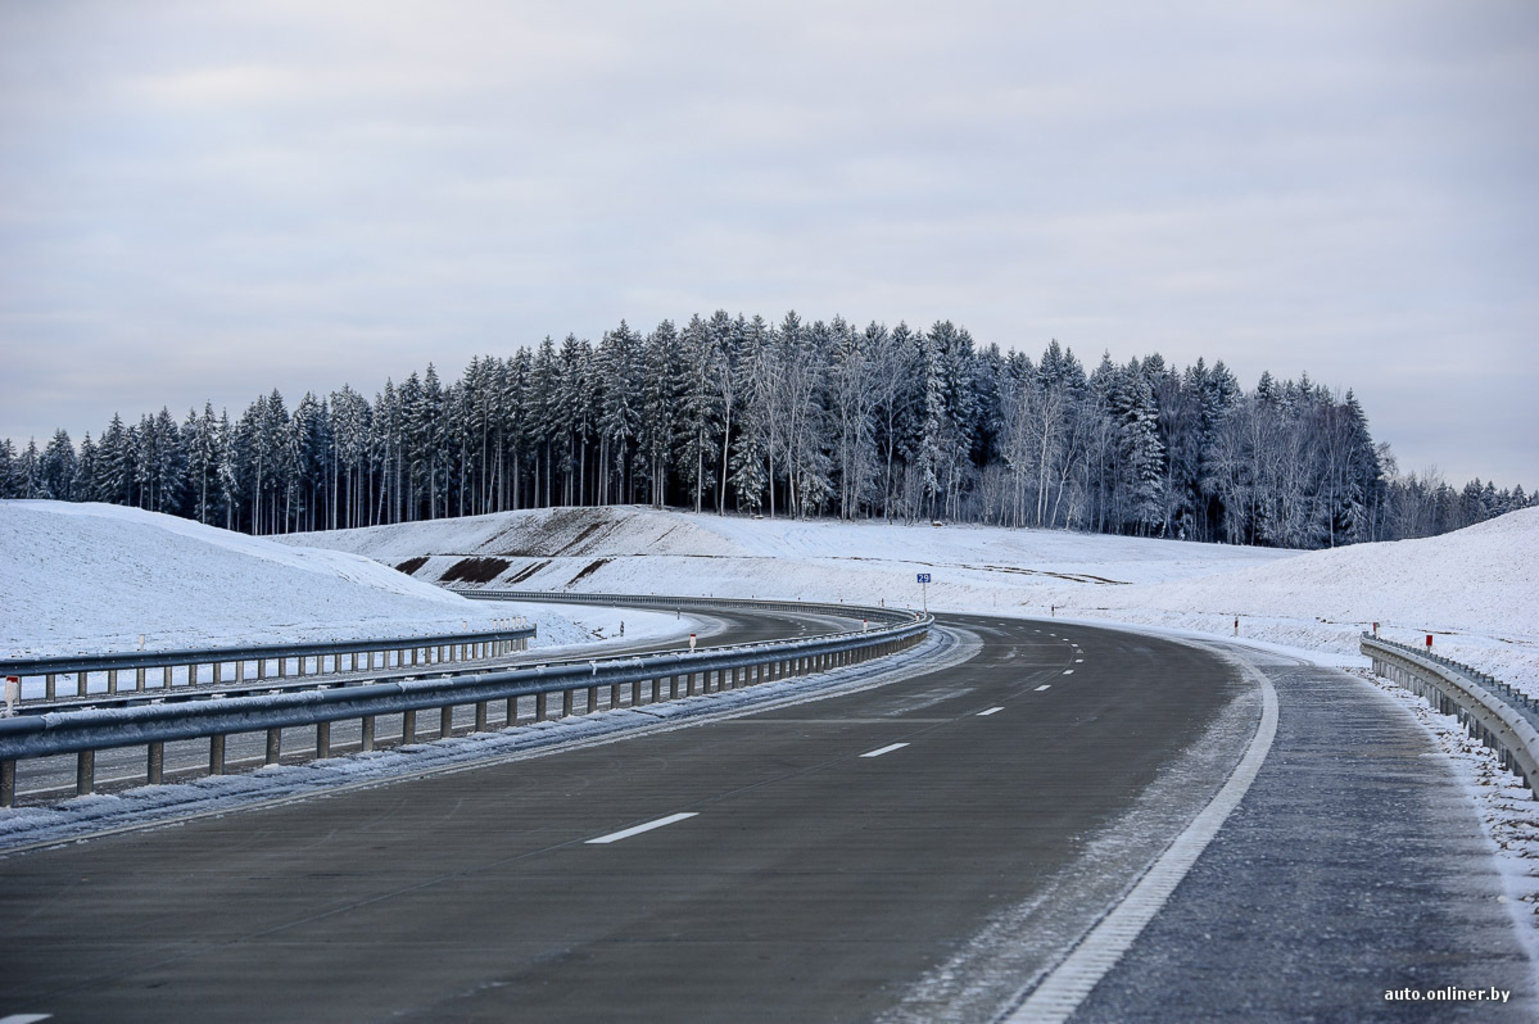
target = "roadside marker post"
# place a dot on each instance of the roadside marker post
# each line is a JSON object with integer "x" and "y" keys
{"x": 924, "y": 581}
{"x": 12, "y": 694}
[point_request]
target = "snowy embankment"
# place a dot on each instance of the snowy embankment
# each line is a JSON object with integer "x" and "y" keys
{"x": 1476, "y": 591}
{"x": 90, "y": 578}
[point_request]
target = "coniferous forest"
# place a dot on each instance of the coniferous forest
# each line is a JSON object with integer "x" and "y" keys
{"x": 735, "y": 414}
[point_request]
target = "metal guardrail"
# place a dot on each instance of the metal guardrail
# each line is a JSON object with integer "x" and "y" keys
{"x": 153, "y": 725}
{"x": 669, "y": 602}
{"x": 1493, "y": 712}
{"x": 406, "y": 651}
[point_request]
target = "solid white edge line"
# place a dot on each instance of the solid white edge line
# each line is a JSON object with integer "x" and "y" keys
{"x": 25, "y": 1018}
{"x": 884, "y": 750}
{"x": 635, "y": 830}
{"x": 1061, "y": 992}
{"x": 990, "y": 711}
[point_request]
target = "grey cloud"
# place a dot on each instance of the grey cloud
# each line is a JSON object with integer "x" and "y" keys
{"x": 357, "y": 189}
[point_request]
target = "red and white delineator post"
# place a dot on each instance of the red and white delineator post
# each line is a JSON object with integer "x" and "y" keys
{"x": 12, "y": 694}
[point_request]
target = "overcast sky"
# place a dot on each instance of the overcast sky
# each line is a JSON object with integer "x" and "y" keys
{"x": 209, "y": 200}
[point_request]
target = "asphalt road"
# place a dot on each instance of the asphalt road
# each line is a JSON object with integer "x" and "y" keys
{"x": 808, "y": 863}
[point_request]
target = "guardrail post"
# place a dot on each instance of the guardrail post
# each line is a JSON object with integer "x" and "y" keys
{"x": 112, "y": 680}
{"x": 50, "y": 686}
{"x": 261, "y": 668}
{"x": 673, "y": 687}
{"x": 155, "y": 766}
{"x": 512, "y": 712}
{"x": 614, "y": 695}
{"x": 80, "y": 683}
{"x": 480, "y": 725}
{"x": 366, "y": 732}
{"x": 165, "y": 678}
{"x": 636, "y": 693}
{"x": 240, "y": 671}
{"x": 446, "y": 721}
{"x": 274, "y": 746}
{"x": 139, "y": 680}
{"x": 7, "y": 783}
{"x": 592, "y": 699}
{"x": 216, "y": 755}
{"x": 218, "y": 673}
{"x": 566, "y": 703}
{"x": 85, "y": 772}
{"x": 539, "y": 707}
{"x": 408, "y": 727}
{"x": 322, "y": 740}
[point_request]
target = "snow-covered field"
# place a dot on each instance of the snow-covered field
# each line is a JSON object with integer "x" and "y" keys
{"x": 1476, "y": 591}
{"x": 93, "y": 578}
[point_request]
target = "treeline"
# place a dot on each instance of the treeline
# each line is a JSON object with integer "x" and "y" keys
{"x": 793, "y": 419}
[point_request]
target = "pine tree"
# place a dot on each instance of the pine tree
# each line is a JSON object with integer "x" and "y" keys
{"x": 57, "y": 468}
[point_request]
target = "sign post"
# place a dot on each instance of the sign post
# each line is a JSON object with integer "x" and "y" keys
{"x": 924, "y": 580}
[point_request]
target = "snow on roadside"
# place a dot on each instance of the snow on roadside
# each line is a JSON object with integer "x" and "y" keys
{"x": 93, "y": 578}
{"x": 1476, "y": 591}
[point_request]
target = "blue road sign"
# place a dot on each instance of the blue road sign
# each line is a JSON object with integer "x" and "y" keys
{"x": 924, "y": 577}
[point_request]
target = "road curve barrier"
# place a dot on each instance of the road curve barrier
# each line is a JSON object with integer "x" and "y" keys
{"x": 154, "y": 671}
{"x": 1493, "y": 712}
{"x": 704, "y": 604}
{"x": 583, "y": 687}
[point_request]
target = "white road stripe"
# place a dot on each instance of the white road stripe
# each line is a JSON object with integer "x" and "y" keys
{"x": 25, "y": 1018}
{"x": 884, "y": 750}
{"x": 1068, "y": 671}
{"x": 990, "y": 711}
{"x": 633, "y": 831}
{"x": 1043, "y": 687}
{"x": 1060, "y": 993}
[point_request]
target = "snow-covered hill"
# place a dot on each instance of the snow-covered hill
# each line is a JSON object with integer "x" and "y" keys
{"x": 1477, "y": 590}
{"x": 90, "y": 577}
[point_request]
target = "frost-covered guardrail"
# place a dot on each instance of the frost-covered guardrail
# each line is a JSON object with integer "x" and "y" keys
{"x": 670, "y": 603}
{"x": 309, "y": 658}
{"x": 650, "y": 679}
{"x": 1492, "y": 711}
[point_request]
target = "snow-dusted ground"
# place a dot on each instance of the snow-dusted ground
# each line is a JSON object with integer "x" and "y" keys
{"x": 1476, "y": 590}
{"x": 90, "y": 578}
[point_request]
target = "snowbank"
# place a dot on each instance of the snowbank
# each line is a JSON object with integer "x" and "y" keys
{"x": 1477, "y": 590}
{"x": 92, "y": 578}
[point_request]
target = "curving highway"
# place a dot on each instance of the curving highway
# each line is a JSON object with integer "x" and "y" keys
{"x": 922, "y": 850}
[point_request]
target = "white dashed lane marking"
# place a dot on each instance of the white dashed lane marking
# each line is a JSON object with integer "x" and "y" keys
{"x": 1043, "y": 687}
{"x": 884, "y": 750}
{"x": 627, "y": 833}
{"x": 990, "y": 711}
